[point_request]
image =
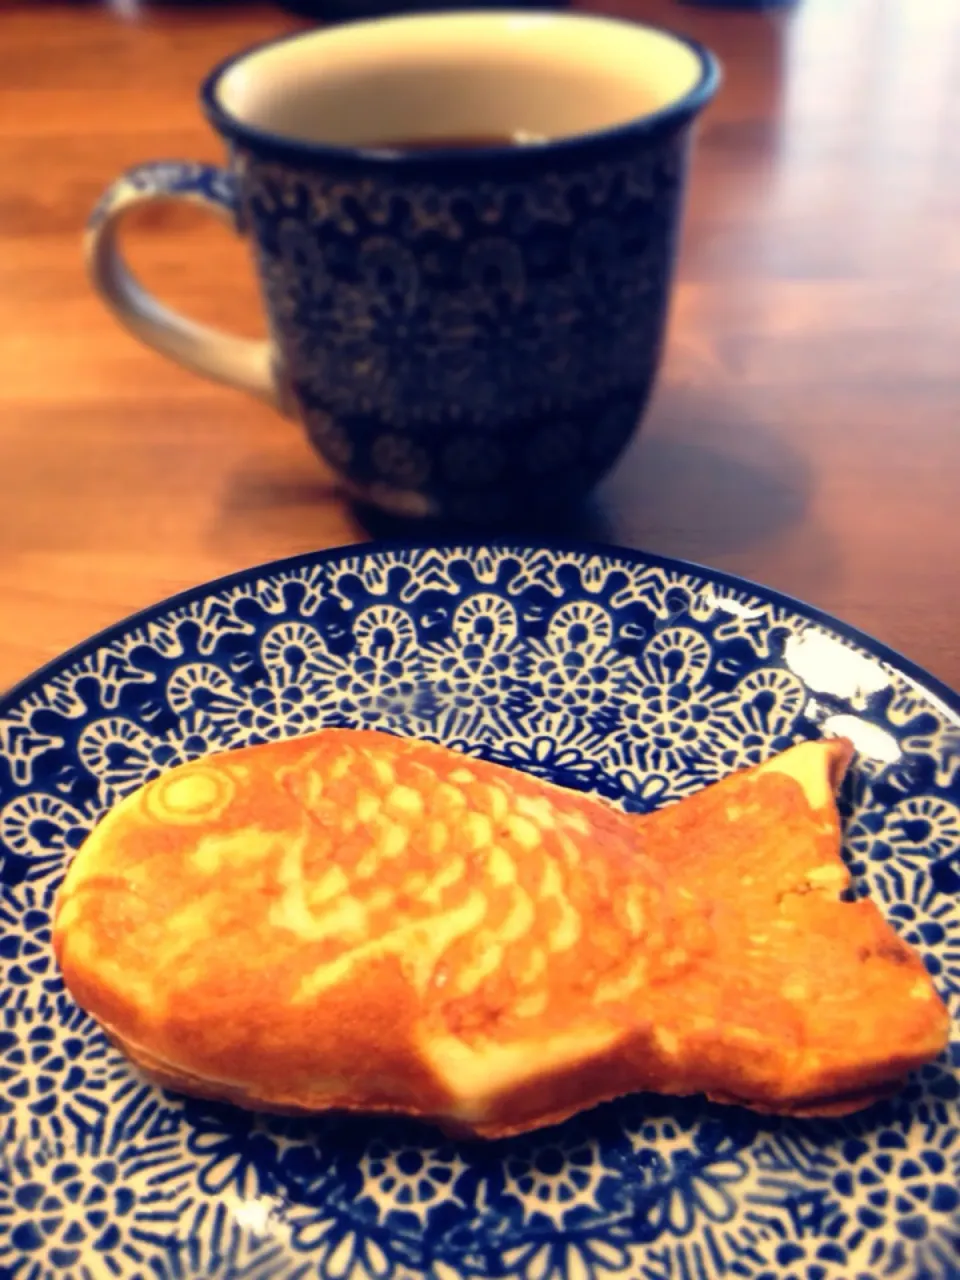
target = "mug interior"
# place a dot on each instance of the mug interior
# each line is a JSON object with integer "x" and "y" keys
{"x": 495, "y": 75}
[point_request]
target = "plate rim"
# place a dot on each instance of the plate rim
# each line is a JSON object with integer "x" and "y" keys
{"x": 929, "y": 683}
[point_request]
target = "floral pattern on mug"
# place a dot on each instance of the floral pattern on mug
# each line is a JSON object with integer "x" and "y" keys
{"x": 475, "y": 342}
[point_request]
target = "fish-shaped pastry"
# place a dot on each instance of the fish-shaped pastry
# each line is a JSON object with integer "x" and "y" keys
{"x": 355, "y": 920}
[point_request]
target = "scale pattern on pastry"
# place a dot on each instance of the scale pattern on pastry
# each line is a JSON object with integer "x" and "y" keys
{"x": 354, "y": 920}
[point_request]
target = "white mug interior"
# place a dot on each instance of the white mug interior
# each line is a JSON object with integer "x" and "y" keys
{"x": 494, "y": 75}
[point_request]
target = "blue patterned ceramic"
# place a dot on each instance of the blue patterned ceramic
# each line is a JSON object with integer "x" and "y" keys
{"x": 635, "y": 677}
{"x": 461, "y": 332}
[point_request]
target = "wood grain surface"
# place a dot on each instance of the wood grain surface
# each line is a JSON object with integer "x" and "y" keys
{"x": 806, "y": 428}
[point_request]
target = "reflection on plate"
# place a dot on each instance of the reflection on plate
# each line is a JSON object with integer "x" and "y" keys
{"x": 633, "y": 676}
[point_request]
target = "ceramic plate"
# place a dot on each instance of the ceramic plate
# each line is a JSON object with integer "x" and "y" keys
{"x": 636, "y": 677}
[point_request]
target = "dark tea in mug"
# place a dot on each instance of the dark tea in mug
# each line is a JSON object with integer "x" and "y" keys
{"x": 468, "y": 142}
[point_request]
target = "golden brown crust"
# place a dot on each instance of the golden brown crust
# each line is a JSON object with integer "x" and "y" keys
{"x": 179, "y": 1082}
{"x": 354, "y": 921}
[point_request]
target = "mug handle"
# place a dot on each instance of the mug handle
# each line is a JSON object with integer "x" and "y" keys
{"x": 239, "y": 362}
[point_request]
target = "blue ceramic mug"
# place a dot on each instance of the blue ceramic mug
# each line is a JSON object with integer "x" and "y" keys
{"x": 463, "y": 330}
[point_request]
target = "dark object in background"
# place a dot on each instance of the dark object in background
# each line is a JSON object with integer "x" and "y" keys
{"x": 462, "y": 334}
{"x": 346, "y": 10}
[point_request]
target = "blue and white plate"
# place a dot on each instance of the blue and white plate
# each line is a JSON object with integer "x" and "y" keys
{"x": 633, "y": 676}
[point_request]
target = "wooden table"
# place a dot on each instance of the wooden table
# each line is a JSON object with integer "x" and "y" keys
{"x": 806, "y": 430}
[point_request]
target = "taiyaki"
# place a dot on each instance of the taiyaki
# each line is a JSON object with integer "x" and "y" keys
{"x": 352, "y": 920}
